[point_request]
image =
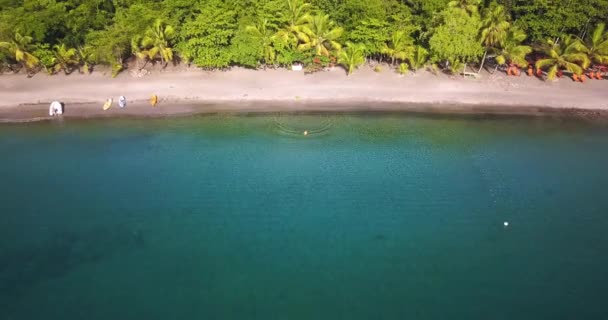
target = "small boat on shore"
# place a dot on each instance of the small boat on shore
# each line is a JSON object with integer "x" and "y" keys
{"x": 56, "y": 108}
{"x": 108, "y": 104}
{"x": 122, "y": 101}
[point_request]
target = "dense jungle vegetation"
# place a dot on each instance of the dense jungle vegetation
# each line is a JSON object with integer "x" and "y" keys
{"x": 554, "y": 36}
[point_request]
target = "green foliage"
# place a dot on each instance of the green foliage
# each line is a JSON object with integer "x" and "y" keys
{"x": 455, "y": 65}
{"x": 494, "y": 26}
{"x": 155, "y": 43}
{"x": 316, "y": 63}
{"x": 567, "y": 55}
{"x": 263, "y": 32}
{"x": 19, "y": 49}
{"x": 87, "y": 58}
{"x": 253, "y": 33}
{"x": 43, "y": 20}
{"x": 320, "y": 34}
{"x": 401, "y": 19}
{"x": 84, "y": 16}
{"x": 420, "y": 58}
{"x": 543, "y": 19}
{"x": 352, "y": 56}
{"x": 351, "y": 12}
{"x": 512, "y": 51}
{"x": 116, "y": 69}
{"x": 403, "y": 68}
{"x": 425, "y": 10}
{"x": 66, "y": 58}
{"x": 295, "y": 16}
{"x": 372, "y": 33}
{"x": 136, "y": 19}
{"x": 469, "y": 6}
{"x": 3, "y": 60}
{"x": 46, "y": 57}
{"x": 287, "y": 55}
{"x": 113, "y": 45}
{"x": 400, "y": 47}
{"x": 597, "y": 45}
{"x": 205, "y": 39}
{"x": 246, "y": 50}
{"x": 110, "y": 46}
{"x": 456, "y": 39}
{"x": 540, "y": 19}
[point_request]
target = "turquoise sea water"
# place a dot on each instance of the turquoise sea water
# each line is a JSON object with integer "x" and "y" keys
{"x": 244, "y": 217}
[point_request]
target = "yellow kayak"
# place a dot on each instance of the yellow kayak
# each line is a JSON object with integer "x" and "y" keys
{"x": 153, "y": 100}
{"x": 108, "y": 104}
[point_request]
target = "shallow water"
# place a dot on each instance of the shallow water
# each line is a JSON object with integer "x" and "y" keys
{"x": 366, "y": 217}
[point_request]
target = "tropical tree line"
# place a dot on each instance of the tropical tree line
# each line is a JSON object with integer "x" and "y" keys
{"x": 546, "y": 38}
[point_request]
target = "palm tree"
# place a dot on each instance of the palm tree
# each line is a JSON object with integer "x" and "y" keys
{"x": 568, "y": 55}
{"x": 295, "y": 17}
{"x": 401, "y": 46}
{"x": 264, "y": 33}
{"x": 512, "y": 51}
{"x": 19, "y": 49}
{"x": 157, "y": 42}
{"x": 403, "y": 68}
{"x": 597, "y": 45}
{"x": 494, "y": 28}
{"x": 455, "y": 66}
{"x": 87, "y": 57}
{"x": 138, "y": 52}
{"x": 65, "y": 58}
{"x": 419, "y": 58}
{"x": 470, "y": 6}
{"x": 319, "y": 34}
{"x": 352, "y": 57}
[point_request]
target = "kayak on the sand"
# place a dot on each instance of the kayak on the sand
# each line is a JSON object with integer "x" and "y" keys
{"x": 108, "y": 104}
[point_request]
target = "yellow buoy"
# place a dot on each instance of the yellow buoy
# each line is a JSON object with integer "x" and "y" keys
{"x": 153, "y": 100}
{"x": 108, "y": 104}
{"x": 305, "y": 132}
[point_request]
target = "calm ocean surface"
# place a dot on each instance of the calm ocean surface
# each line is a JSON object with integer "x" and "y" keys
{"x": 244, "y": 217}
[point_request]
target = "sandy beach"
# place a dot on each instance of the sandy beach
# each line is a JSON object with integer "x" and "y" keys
{"x": 183, "y": 90}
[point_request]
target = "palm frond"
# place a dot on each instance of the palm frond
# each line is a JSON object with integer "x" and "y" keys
{"x": 552, "y": 72}
{"x": 579, "y": 58}
{"x": 573, "y": 67}
{"x": 543, "y": 63}
{"x": 598, "y": 35}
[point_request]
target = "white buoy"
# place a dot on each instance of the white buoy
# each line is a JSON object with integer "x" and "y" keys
{"x": 506, "y": 223}
{"x": 305, "y": 132}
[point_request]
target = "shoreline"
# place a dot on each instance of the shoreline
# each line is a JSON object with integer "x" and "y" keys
{"x": 142, "y": 110}
{"x": 190, "y": 91}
